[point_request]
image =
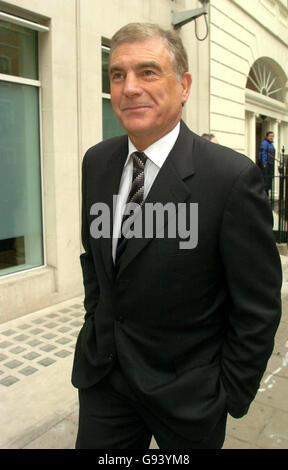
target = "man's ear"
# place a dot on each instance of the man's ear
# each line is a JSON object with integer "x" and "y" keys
{"x": 186, "y": 82}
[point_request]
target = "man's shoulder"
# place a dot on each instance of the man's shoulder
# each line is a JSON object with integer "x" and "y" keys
{"x": 214, "y": 158}
{"x": 106, "y": 147}
{"x": 205, "y": 145}
{"x": 217, "y": 155}
{"x": 264, "y": 143}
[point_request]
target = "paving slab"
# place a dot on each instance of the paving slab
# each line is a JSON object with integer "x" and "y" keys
{"x": 249, "y": 427}
{"x": 275, "y": 433}
{"x": 63, "y": 434}
{"x": 35, "y": 386}
{"x": 232, "y": 443}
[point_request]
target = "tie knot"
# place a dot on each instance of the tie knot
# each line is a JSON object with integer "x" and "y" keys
{"x": 139, "y": 160}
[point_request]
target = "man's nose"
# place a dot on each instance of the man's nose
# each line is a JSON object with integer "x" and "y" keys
{"x": 132, "y": 85}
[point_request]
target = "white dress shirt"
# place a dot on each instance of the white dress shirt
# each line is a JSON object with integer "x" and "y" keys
{"x": 156, "y": 156}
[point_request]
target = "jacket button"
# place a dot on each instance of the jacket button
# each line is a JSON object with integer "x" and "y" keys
{"x": 120, "y": 319}
{"x": 111, "y": 357}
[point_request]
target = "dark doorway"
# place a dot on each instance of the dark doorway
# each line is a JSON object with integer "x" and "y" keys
{"x": 259, "y": 137}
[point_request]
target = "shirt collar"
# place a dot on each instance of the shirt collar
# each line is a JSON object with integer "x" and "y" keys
{"x": 158, "y": 151}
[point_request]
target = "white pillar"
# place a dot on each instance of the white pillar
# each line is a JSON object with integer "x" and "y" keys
{"x": 251, "y": 135}
{"x": 274, "y": 127}
{"x": 283, "y": 136}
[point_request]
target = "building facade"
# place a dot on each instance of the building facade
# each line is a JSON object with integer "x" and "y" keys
{"x": 55, "y": 104}
{"x": 248, "y": 72}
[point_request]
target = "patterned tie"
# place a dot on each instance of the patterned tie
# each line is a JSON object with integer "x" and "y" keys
{"x": 136, "y": 196}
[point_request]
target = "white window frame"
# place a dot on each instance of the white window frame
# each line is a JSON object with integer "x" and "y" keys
{"x": 22, "y": 22}
{"x": 107, "y": 96}
{"x": 22, "y": 81}
{"x": 35, "y": 83}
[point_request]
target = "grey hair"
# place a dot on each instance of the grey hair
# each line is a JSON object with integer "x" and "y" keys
{"x": 208, "y": 136}
{"x": 133, "y": 32}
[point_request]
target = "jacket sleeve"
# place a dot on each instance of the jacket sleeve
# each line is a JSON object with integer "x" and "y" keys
{"x": 253, "y": 276}
{"x": 91, "y": 287}
{"x": 265, "y": 146}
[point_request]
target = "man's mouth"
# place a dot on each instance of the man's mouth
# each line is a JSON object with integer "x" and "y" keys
{"x": 135, "y": 107}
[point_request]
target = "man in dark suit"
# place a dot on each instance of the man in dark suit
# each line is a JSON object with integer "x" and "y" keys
{"x": 175, "y": 335}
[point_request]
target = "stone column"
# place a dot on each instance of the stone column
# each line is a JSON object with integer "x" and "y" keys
{"x": 274, "y": 127}
{"x": 283, "y": 136}
{"x": 251, "y": 135}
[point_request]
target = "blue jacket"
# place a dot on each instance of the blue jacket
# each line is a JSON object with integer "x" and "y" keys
{"x": 266, "y": 152}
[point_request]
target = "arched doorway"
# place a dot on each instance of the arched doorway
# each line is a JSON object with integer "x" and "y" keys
{"x": 266, "y": 110}
{"x": 266, "y": 105}
{"x": 267, "y": 78}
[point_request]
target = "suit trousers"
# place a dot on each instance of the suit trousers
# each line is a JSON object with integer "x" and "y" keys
{"x": 112, "y": 417}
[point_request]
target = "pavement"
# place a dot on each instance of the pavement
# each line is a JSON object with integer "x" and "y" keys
{"x": 39, "y": 406}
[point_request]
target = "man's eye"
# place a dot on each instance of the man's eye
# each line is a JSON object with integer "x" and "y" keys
{"x": 117, "y": 76}
{"x": 149, "y": 73}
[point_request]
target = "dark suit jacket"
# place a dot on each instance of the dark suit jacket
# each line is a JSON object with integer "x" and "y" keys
{"x": 192, "y": 329}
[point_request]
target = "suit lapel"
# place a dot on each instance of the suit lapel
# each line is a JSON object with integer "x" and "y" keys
{"x": 169, "y": 186}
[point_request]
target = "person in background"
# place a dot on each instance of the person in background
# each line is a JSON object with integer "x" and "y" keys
{"x": 210, "y": 137}
{"x": 266, "y": 159}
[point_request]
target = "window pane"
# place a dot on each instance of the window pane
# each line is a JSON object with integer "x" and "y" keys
{"x": 20, "y": 187}
{"x": 105, "y": 72}
{"x": 18, "y": 51}
{"x": 111, "y": 125}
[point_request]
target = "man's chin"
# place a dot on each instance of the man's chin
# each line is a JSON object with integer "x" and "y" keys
{"x": 138, "y": 128}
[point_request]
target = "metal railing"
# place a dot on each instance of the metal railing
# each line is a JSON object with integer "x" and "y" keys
{"x": 278, "y": 197}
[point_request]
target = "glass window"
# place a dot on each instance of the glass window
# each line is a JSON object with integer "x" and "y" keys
{"x": 20, "y": 178}
{"x": 111, "y": 125}
{"x": 105, "y": 70}
{"x": 18, "y": 51}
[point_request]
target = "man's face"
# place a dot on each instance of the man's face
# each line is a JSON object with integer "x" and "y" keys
{"x": 146, "y": 97}
{"x": 270, "y": 137}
